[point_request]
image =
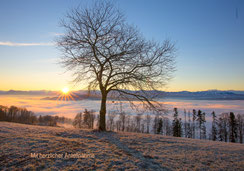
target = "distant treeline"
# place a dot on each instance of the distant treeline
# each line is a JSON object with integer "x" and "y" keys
{"x": 226, "y": 127}
{"x": 22, "y": 115}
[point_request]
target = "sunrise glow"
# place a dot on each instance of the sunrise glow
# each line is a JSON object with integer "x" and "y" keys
{"x": 65, "y": 90}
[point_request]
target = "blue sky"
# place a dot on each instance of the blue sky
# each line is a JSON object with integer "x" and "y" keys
{"x": 209, "y": 36}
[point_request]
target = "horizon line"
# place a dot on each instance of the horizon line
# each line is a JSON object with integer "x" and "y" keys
{"x": 130, "y": 90}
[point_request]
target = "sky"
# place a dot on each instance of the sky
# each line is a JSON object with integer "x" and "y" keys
{"x": 209, "y": 36}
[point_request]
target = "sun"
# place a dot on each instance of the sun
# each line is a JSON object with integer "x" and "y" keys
{"x": 66, "y": 94}
{"x": 65, "y": 90}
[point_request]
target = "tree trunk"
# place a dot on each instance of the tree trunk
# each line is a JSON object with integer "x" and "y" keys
{"x": 102, "y": 121}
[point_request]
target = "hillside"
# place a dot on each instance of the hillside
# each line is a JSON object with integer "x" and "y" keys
{"x": 98, "y": 150}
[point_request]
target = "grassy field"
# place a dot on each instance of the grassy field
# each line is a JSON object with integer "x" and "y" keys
{"x": 38, "y": 147}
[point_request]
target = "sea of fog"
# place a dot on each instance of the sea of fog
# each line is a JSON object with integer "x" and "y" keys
{"x": 71, "y": 108}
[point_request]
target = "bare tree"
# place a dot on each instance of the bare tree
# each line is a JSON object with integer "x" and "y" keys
{"x": 194, "y": 117}
{"x": 214, "y": 127}
{"x": 185, "y": 124}
{"x": 138, "y": 119}
{"x": 88, "y": 118}
{"x": 167, "y": 126}
{"x": 110, "y": 120}
{"x": 118, "y": 125}
{"x": 122, "y": 117}
{"x": 77, "y": 121}
{"x": 128, "y": 124}
{"x": 112, "y": 56}
{"x": 155, "y": 124}
{"x": 223, "y": 127}
{"x": 148, "y": 121}
{"x": 3, "y": 113}
{"x": 240, "y": 127}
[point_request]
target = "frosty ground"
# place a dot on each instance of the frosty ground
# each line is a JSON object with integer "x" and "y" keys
{"x": 111, "y": 150}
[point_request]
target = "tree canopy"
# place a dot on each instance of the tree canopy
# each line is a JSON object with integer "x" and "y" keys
{"x": 108, "y": 54}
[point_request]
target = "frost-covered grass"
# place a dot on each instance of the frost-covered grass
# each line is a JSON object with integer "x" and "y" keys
{"x": 109, "y": 150}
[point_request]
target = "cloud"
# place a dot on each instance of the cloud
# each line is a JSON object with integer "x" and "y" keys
{"x": 56, "y": 34}
{"x": 25, "y": 44}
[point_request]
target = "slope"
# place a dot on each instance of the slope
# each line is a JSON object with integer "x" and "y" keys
{"x": 72, "y": 149}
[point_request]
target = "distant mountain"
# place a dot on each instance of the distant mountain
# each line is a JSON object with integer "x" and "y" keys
{"x": 18, "y": 92}
{"x": 236, "y": 92}
{"x": 206, "y": 95}
{"x": 94, "y": 95}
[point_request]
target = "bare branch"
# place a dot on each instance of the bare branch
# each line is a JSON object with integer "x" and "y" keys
{"x": 110, "y": 55}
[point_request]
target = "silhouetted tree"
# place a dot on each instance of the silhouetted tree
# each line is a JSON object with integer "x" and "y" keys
{"x": 98, "y": 119}
{"x": 232, "y": 127}
{"x": 112, "y": 56}
{"x": 240, "y": 127}
{"x": 78, "y": 120}
{"x": 160, "y": 125}
{"x": 189, "y": 126}
{"x": 118, "y": 125}
{"x": 155, "y": 124}
{"x": 194, "y": 114}
{"x": 3, "y": 113}
{"x": 34, "y": 120}
{"x": 122, "y": 117}
{"x": 49, "y": 120}
{"x": 223, "y": 127}
{"x": 138, "y": 119}
{"x": 128, "y": 124}
{"x": 185, "y": 124}
{"x": 88, "y": 119}
{"x": 143, "y": 126}
{"x": 176, "y": 124}
{"x": 204, "y": 131}
{"x": 22, "y": 115}
{"x": 148, "y": 121}
{"x": 201, "y": 124}
{"x": 12, "y": 112}
{"x": 167, "y": 126}
{"x": 214, "y": 128}
{"x": 110, "y": 121}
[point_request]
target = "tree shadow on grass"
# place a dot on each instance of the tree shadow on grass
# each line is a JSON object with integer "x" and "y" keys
{"x": 146, "y": 162}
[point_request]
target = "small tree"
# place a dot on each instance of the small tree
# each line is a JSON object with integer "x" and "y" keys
{"x": 155, "y": 124}
{"x": 177, "y": 124}
{"x": 110, "y": 121}
{"x": 112, "y": 56}
{"x": 128, "y": 124}
{"x": 214, "y": 128}
{"x": 232, "y": 127}
{"x": 88, "y": 119}
{"x": 122, "y": 117}
{"x": 148, "y": 121}
{"x": 240, "y": 127}
{"x": 201, "y": 124}
{"x": 78, "y": 120}
{"x": 194, "y": 113}
{"x": 185, "y": 124}
{"x": 167, "y": 126}
{"x": 3, "y": 113}
{"x": 189, "y": 126}
{"x": 160, "y": 126}
{"x": 204, "y": 131}
{"x": 12, "y": 113}
{"x": 223, "y": 127}
{"x": 138, "y": 119}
